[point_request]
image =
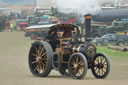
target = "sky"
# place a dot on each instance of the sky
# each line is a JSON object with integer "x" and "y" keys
{"x": 41, "y": 2}
{"x": 29, "y": 2}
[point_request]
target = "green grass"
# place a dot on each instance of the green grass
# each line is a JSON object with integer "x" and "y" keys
{"x": 113, "y": 53}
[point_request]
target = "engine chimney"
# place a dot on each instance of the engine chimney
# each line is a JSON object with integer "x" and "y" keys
{"x": 87, "y": 27}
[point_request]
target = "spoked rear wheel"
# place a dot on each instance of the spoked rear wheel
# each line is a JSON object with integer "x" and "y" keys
{"x": 77, "y": 66}
{"x": 101, "y": 66}
{"x": 40, "y": 59}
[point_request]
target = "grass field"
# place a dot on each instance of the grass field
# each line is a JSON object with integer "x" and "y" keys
{"x": 112, "y": 52}
{"x": 122, "y": 56}
{"x": 14, "y": 70}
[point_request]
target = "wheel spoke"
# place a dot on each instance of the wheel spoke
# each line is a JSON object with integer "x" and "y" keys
{"x": 44, "y": 64}
{"x": 44, "y": 54}
{"x": 95, "y": 69}
{"x": 77, "y": 59}
{"x": 80, "y": 62}
{"x": 39, "y": 47}
{"x": 42, "y": 68}
{"x": 98, "y": 71}
{"x": 101, "y": 58}
{"x": 104, "y": 61}
{"x": 105, "y": 64}
{"x": 39, "y": 68}
{"x": 73, "y": 67}
{"x": 78, "y": 73}
{"x": 104, "y": 69}
{"x": 41, "y": 51}
{"x": 74, "y": 71}
{"x": 103, "y": 72}
{"x": 36, "y": 48}
{"x": 34, "y": 55}
{"x": 37, "y": 52}
{"x": 34, "y": 62}
{"x": 36, "y": 67}
{"x": 73, "y": 61}
{"x": 97, "y": 60}
{"x": 81, "y": 65}
{"x": 81, "y": 70}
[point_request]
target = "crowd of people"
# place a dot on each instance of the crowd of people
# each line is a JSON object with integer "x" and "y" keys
{"x": 9, "y": 22}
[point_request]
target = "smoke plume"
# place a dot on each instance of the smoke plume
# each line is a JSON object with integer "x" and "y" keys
{"x": 78, "y": 6}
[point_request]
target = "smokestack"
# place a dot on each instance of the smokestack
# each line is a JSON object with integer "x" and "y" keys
{"x": 87, "y": 27}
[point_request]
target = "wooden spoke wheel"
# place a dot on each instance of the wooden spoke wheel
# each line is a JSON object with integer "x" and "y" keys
{"x": 77, "y": 66}
{"x": 40, "y": 59}
{"x": 101, "y": 66}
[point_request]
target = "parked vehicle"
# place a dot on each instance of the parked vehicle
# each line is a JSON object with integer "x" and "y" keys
{"x": 21, "y": 24}
{"x": 117, "y": 26}
{"x": 117, "y": 39}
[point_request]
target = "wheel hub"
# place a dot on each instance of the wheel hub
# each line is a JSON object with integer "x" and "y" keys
{"x": 75, "y": 65}
{"x": 100, "y": 66}
{"x": 39, "y": 59}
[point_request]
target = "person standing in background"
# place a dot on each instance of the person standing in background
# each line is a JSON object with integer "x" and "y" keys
{"x": 7, "y": 25}
{"x": 12, "y": 27}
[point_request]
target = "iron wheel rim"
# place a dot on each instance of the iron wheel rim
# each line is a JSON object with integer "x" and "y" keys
{"x": 101, "y": 66}
{"x": 38, "y": 59}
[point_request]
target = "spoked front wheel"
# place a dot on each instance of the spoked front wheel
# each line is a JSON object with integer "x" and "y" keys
{"x": 40, "y": 59}
{"x": 101, "y": 66}
{"x": 78, "y": 66}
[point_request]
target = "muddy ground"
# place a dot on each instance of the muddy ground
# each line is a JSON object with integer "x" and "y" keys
{"x": 14, "y": 70}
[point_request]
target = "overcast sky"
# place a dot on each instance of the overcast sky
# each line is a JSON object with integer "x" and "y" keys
{"x": 18, "y": 1}
{"x": 46, "y": 3}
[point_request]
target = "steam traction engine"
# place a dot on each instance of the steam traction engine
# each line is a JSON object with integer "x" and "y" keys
{"x": 64, "y": 50}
